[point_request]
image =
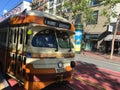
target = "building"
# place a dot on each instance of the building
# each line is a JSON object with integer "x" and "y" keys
{"x": 97, "y": 36}
{"x": 17, "y": 9}
{"x": 49, "y": 6}
{"x": 40, "y": 5}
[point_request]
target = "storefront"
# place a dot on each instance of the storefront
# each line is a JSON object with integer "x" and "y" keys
{"x": 91, "y": 42}
{"x": 108, "y": 41}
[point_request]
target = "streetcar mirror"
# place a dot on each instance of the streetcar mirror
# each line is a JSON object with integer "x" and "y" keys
{"x": 29, "y": 32}
{"x": 72, "y": 64}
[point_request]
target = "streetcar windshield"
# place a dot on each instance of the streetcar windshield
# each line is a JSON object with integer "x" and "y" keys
{"x": 45, "y": 38}
{"x": 64, "y": 40}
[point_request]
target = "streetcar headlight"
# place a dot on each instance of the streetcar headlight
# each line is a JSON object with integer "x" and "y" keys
{"x": 60, "y": 64}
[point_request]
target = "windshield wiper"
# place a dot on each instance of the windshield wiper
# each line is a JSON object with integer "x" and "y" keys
{"x": 56, "y": 42}
{"x": 56, "y": 49}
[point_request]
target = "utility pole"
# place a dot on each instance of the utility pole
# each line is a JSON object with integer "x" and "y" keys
{"x": 114, "y": 35}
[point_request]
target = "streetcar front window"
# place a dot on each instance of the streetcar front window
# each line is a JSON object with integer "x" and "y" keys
{"x": 44, "y": 38}
{"x": 64, "y": 40}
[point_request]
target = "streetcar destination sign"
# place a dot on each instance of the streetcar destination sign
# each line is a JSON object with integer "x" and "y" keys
{"x": 56, "y": 23}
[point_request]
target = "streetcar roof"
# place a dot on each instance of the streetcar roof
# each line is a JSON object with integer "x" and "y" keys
{"x": 42, "y": 14}
{"x": 38, "y": 17}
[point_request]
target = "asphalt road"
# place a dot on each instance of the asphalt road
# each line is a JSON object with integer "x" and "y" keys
{"x": 99, "y": 63}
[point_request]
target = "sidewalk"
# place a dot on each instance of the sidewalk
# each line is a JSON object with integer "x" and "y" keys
{"x": 101, "y": 56}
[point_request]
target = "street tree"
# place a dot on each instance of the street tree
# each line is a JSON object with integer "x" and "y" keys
{"x": 83, "y": 7}
{"x": 80, "y": 7}
{"x": 111, "y": 5}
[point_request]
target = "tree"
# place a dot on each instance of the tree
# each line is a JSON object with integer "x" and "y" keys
{"x": 111, "y": 4}
{"x": 113, "y": 40}
{"x": 83, "y": 7}
{"x": 80, "y": 6}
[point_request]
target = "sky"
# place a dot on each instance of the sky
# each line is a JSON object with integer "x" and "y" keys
{"x": 6, "y": 5}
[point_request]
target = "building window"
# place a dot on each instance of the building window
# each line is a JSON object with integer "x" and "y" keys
{"x": 78, "y": 18}
{"x": 94, "y": 2}
{"x": 58, "y": 10}
{"x": 41, "y": 3}
{"x": 51, "y": 3}
{"x": 51, "y": 10}
{"x": 58, "y": 1}
{"x": 95, "y": 20}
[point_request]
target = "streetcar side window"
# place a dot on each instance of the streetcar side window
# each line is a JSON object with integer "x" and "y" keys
{"x": 0, "y": 36}
{"x": 45, "y": 38}
{"x": 21, "y": 36}
{"x": 11, "y": 35}
{"x": 27, "y": 37}
{"x": 15, "y": 34}
{"x": 4, "y": 39}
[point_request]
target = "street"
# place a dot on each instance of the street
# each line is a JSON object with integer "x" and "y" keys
{"x": 96, "y": 74}
{"x": 89, "y": 74}
{"x": 98, "y": 62}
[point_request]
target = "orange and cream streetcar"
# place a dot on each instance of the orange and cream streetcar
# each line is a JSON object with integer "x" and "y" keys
{"x": 36, "y": 48}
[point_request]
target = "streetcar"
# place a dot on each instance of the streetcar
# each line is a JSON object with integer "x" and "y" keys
{"x": 37, "y": 48}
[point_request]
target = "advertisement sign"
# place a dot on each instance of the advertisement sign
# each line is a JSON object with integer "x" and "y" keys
{"x": 78, "y": 40}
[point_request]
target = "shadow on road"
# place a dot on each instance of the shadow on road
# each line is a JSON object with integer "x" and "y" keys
{"x": 89, "y": 74}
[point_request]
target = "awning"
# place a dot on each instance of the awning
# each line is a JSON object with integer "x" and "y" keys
{"x": 110, "y": 37}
